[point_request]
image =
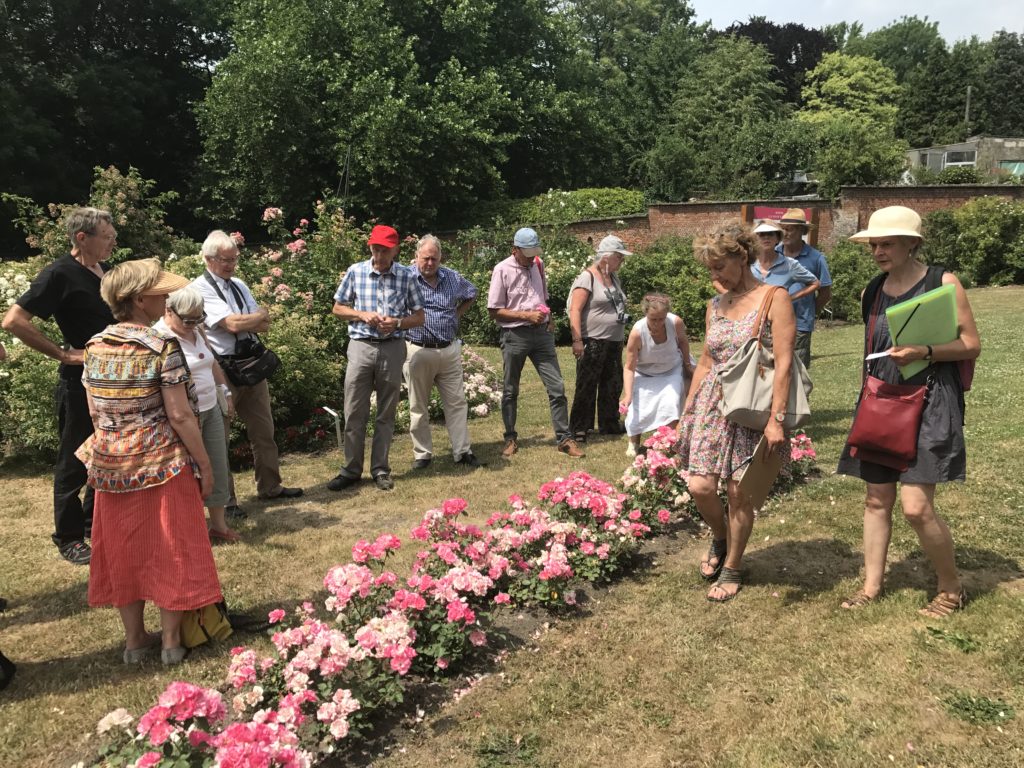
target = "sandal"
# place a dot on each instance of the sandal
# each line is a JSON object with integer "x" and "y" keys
{"x": 728, "y": 576}
{"x": 717, "y": 550}
{"x": 858, "y": 600}
{"x": 944, "y": 604}
{"x": 228, "y": 536}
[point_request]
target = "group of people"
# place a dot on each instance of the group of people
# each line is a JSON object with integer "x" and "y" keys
{"x": 144, "y": 406}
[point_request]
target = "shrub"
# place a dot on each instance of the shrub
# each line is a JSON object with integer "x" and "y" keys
{"x": 137, "y": 211}
{"x": 557, "y": 206}
{"x": 669, "y": 267}
{"x": 982, "y": 241}
{"x": 958, "y": 174}
{"x": 851, "y": 267}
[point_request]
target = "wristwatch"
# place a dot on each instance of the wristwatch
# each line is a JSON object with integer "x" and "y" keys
{"x": 780, "y": 416}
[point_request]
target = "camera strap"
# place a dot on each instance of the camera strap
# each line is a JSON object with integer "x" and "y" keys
{"x": 242, "y": 307}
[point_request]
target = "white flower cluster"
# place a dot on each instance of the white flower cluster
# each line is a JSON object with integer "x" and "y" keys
{"x": 12, "y": 285}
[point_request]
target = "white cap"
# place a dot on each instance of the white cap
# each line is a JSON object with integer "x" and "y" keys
{"x": 613, "y": 244}
{"x": 767, "y": 225}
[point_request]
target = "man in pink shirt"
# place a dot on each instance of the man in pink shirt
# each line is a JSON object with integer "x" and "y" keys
{"x": 517, "y": 301}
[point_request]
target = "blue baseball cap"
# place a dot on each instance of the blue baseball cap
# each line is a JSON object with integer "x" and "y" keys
{"x": 526, "y": 238}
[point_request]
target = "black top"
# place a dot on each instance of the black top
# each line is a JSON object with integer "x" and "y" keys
{"x": 70, "y": 294}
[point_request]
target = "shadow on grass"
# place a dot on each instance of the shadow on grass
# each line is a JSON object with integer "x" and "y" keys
{"x": 49, "y": 605}
{"x": 829, "y": 422}
{"x": 808, "y": 567}
{"x": 982, "y": 571}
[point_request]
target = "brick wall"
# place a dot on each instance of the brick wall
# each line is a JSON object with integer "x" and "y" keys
{"x": 835, "y": 221}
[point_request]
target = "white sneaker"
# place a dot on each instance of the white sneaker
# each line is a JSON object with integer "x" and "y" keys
{"x": 630, "y": 450}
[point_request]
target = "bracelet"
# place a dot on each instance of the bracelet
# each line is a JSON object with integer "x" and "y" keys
{"x": 579, "y": 340}
{"x": 398, "y": 325}
{"x": 929, "y": 355}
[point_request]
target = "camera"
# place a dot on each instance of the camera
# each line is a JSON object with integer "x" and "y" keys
{"x": 624, "y": 317}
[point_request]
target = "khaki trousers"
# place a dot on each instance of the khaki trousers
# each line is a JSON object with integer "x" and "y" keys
{"x": 423, "y": 369}
{"x": 252, "y": 406}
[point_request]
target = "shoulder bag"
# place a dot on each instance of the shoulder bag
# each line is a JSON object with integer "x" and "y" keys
{"x": 252, "y": 361}
{"x": 748, "y": 380}
{"x": 888, "y": 418}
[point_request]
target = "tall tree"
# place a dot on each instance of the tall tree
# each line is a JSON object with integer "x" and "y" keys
{"x": 1002, "y": 86}
{"x": 86, "y": 83}
{"x": 795, "y": 49}
{"x": 901, "y": 46}
{"x": 728, "y": 96}
{"x": 855, "y": 87}
{"x": 417, "y": 108}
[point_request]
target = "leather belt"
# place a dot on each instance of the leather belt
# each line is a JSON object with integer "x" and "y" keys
{"x": 373, "y": 340}
{"x": 431, "y": 344}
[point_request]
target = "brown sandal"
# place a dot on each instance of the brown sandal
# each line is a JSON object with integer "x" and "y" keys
{"x": 944, "y": 604}
{"x": 859, "y": 600}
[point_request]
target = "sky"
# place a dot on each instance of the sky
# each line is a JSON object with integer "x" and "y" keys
{"x": 958, "y": 19}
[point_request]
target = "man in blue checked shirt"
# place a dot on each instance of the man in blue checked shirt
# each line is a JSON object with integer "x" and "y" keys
{"x": 381, "y": 301}
{"x": 434, "y": 356}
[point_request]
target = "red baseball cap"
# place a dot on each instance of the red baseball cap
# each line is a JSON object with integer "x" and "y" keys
{"x": 383, "y": 235}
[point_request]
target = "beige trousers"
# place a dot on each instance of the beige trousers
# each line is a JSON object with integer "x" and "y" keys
{"x": 423, "y": 369}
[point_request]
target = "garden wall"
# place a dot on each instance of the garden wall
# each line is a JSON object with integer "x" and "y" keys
{"x": 835, "y": 221}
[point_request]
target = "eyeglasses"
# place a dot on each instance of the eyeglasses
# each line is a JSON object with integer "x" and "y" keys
{"x": 189, "y": 321}
{"x": 222, "y": 260}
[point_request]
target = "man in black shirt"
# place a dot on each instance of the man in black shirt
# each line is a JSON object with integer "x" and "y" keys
{"x": 68, "y": 290}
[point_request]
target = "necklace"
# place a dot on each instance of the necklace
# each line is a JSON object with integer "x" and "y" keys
{"x": 735, "y": 296}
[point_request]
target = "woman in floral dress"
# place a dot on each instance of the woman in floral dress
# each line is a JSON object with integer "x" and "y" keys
{"x": 710, "y": 447}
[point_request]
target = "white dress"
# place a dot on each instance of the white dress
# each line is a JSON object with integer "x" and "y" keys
{"x": 657, "y": 382}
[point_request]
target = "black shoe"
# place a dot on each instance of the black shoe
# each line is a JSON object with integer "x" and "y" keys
{"x": 580, "y": 437}
{"x": 235, "y": 512}
{"x": 384, "y": 482}
{"x": 421, "y": 463}
{"x": 340, "y": 482}
{"x": 469, "y": 460}
{"x": 286, "y": 493}
{"x": 76, "y": 552}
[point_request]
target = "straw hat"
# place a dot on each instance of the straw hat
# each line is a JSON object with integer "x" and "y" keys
{"x": 166, "y": 282}
{"x": 894, "y": 221}
{"x": 795, "y": 216}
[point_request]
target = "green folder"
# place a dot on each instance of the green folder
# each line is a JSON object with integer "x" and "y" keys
{"x": 926, "y": 319}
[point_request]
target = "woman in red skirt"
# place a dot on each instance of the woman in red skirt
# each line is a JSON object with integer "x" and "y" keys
{"x": 148, "y": 466}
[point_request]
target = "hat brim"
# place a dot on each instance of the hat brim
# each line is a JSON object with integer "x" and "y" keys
{"x": 623, "y": 253}
{"x": 381, "y": 241}
{"x": 795, "y": 223}
{"x": 166, "y": 282}
{"x": 866, "y": 235}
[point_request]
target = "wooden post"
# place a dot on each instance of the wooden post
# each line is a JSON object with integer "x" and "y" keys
{"x": 812, "y": 235}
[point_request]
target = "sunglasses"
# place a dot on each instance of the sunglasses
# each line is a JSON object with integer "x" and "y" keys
{"x": 190, "y": 321}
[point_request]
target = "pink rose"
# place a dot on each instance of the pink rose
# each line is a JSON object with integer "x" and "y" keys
{"x": 276, "y": 615}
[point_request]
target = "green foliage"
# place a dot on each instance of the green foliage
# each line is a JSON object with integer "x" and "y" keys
{"x": 505, "y": 749}
{"x": 669, "y": 267}
{"x": 28, "y": 416}
{"x": 958, "y": 174}
{"x": 901, "y": 46}
{"x": 138, "y": 213}
{"x": 852, "y": 268}
{"x": 982, "y": 241}
{"x": 855, "y": 152}
{"x": 557, "y": 206}
{"x": 978, "y": 710}
{"x": 846, "y": 87}
{"x": 729, "y": 91}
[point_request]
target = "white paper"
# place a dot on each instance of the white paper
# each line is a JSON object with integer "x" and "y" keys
{"x": 876, "y": 355}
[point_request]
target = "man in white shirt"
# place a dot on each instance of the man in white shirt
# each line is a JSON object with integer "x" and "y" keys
{"x": 233, "y": 315}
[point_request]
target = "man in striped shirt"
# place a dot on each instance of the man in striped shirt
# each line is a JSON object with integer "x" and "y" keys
{"x": 434, "y": 356}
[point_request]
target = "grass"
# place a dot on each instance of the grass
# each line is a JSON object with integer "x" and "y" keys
{"x": 648, "y": 673}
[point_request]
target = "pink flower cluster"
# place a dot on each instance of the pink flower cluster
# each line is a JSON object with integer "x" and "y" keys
{"x": 390, "y": 637}
{"x": 182, "y": 709}
{"x": 263, "y": 742}
{"x": 801, "y": 447}
{"x": 271, "y": 214}
{"x": 385, "y": 543}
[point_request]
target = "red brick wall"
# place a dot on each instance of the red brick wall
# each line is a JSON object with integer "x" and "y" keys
{"x": 835, "y": 221}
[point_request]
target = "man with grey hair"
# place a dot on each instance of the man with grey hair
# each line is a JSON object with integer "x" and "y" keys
{"x": 434, "y": 356}
{"x": 232, "y": 315}
{"x": 68, "y": 290}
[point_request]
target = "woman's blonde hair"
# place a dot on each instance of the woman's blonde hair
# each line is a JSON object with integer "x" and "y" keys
{"x": 124, "y": 282}
{"x": 655, "y": 301}
{"x": 733, "y": 239}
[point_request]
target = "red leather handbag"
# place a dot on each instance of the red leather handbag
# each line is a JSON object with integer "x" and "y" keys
{"x": 888, "y": 418}
{"x": 887, "y": 423}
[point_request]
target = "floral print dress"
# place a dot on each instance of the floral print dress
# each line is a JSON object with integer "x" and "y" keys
{"x": 708, "y": 443}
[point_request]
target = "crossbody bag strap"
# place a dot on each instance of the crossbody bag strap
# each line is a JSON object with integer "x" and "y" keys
{"x": 234, "y": 292}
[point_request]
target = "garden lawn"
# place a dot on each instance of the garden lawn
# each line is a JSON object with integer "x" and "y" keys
{"x": 648, "y": 673}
